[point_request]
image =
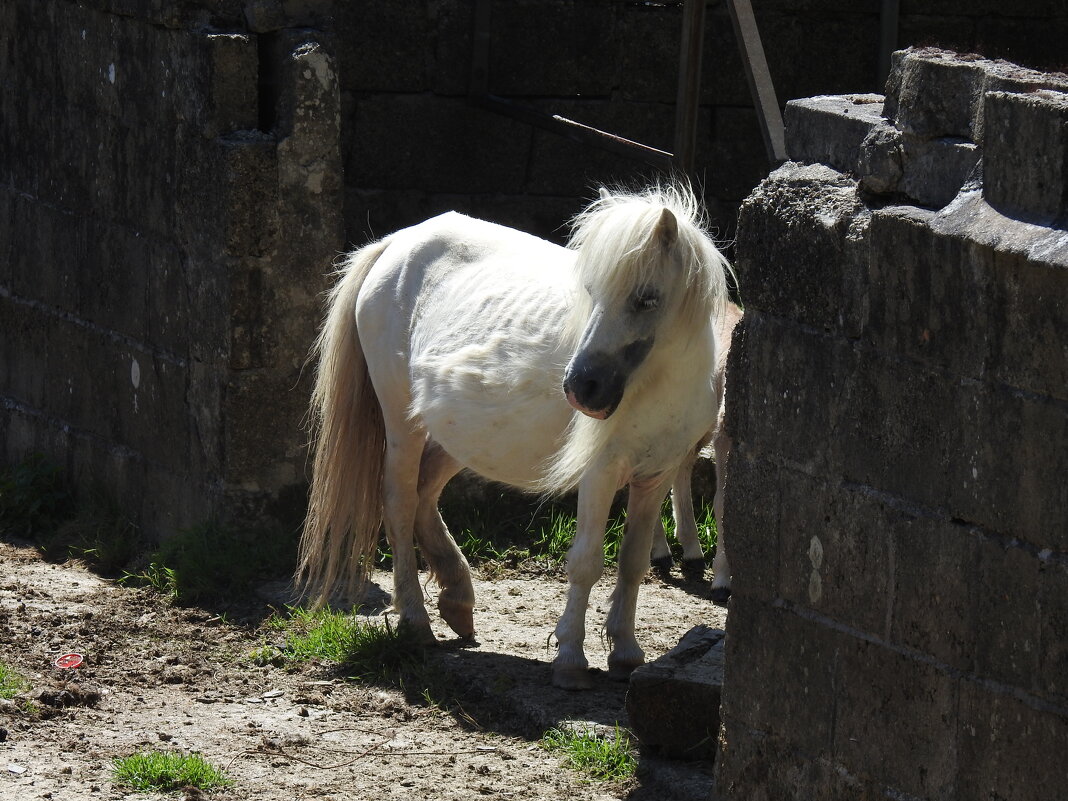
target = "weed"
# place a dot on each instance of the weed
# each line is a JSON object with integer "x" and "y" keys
{"x": 100, "y": 533}
{"x": 600, "y": 756}
{"x": 162, "y": 579}
{"x": 33, "y": 497}
{"x": 155, "y": 770}
{"x": 11, "y": 682}
{"x": 367, "y": 651}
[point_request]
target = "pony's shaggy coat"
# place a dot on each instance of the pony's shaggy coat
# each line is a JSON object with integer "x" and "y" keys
{"x": 446, "y": 346}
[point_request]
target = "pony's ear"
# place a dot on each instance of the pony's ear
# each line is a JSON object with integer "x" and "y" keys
{"x": 604, "y": 193}
{"x": 667, "y": 229}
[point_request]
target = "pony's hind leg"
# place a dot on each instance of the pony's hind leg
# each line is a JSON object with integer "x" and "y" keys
{"x": 400, "y": 495}
{"x": 643, "y": 504}
{"x": 585, "y": 563}
{"x": 660, "y": 558}
{"x": 447, "y": 563}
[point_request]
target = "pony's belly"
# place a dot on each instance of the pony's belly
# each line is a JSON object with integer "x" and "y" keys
{"x": 507, "y": 443}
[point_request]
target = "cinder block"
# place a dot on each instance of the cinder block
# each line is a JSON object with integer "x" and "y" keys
{"x": 382, "y": 46}
{"x": 892, "y": 431}
{"x": 401, "y": 124}
{"x": 830, "y": 129}
{"x": 933, "y": 93}
{"x": 835, "y": 546}
{"x": 928, "y": 292}
{"x": 751, "y": 523}
{"x": 1052, "y": 678}
{"x": 529, "y": 58}
{"x": 800, "y": 246}
{"x": 1009, "y": 472}
{"x": 1009, "y": 748}
{"x": 895, "y": 720}
{"x": 934, "y": 567}
{"x": 788, "y": 697}
{"x": 1018, "y": 127}
{"x": 673, "y": 702}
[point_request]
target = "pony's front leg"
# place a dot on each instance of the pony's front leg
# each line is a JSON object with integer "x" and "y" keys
{"x": 721, "y": 569}
{"x": 643, "y": 505}
{"x": 585, "y": 563}
{"x": 400, "y": 496}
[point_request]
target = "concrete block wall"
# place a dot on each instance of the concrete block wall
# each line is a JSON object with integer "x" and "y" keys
{"x": 414, "y": 146}
{"x": 899, "y": 405}
{"x": 170, "y": 192}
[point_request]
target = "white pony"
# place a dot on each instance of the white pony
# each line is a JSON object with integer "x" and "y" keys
{"x": 693, "y": 559}
{"x": 460, "y": 343}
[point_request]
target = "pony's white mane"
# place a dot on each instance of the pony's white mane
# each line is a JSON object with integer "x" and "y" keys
{"x": 617, "y": 253}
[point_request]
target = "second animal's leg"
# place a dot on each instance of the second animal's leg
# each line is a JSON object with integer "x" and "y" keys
{"x": 643, "y": 504}
{"x": 447, "y": 563}
{"x": 585, "y": 563}
{"x": 693, "y": 558}
{"x": 660, "y": 558}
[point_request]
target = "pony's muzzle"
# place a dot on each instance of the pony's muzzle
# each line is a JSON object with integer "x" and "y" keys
{"x": 594, "y": 386}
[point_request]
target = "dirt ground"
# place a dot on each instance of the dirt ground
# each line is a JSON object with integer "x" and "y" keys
{"x": 159, "y": 677}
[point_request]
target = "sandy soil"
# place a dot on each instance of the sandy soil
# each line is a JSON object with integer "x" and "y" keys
{"x": 159, "y": 677}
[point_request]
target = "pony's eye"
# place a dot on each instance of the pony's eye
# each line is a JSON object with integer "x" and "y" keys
{"x": 646, "y": 300}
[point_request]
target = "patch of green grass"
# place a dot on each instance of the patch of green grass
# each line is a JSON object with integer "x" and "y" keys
{"x": 606, "y": 757}
{"x": 159, "y": 577}
{"x": 11, "y": 682}
{"x": 367, "y": 651}
{"x": 156, "y": 770}
{"x": 34, "y": 497}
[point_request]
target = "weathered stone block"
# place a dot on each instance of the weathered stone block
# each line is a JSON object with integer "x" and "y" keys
{"x": 934, "y": 170}
{"x": 1017, "y": 127}
{"x": 929, "y": 293}
{"x": 892, "y": 431}
{"x": 673, "y": 702}
{"x": 1009, "y": 747}
{"x": 830, "y": 129}
{"x": 1052, "y": 678}
{"x": 800, "y": 238}
{"x": 932, "y": 93}
{"x": 1007, "y": 609}
{"x": 1010, "y": 472}
{"x": 401, "y": 124}
{"x": 751, "y": 523}
{"x": 830, "y": 535}
{"x": 529, "y": 58}
{"x": 934, "y": 567}
{"x": 895, "y": 719}
{"x": 762, "y": 691}
{"x": 380, "y": 33}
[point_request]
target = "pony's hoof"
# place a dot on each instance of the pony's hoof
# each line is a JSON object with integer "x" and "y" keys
{"x": 420, "y": 633}
{"x": 459, "y": 617}
{"x": 720, "y": 595}
{"x": 662, "y": 565}
{"x": 620, "y": 671}
{"x": 572, "y": 678}
{"x": 693, "y": 569}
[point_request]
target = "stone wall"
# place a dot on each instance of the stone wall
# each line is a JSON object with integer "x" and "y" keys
{"x": 166, "y": 213}
{"x": 897, "y": 501}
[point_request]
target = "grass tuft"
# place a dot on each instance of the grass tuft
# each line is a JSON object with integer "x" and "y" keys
{"x": 155, "y": 770}
{"x": 11, "y": 682}
{"x": 599, "y": 756}
{"x": 368, "y": 651}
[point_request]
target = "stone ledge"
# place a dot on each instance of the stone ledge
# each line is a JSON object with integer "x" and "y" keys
{"x": 673, "y": 702}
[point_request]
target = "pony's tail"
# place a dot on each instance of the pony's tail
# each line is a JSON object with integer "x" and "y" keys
{"x": 348, "y": 436}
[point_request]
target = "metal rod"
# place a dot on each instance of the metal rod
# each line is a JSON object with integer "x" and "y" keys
{"x": 759, "y": 78}
{"x": 689, "y": 93}
{"x": 578, "y": 132}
